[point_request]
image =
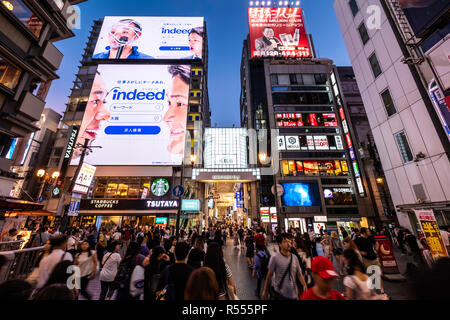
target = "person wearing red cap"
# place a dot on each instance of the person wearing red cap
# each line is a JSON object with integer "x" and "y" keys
{"x": 324, "y": 276}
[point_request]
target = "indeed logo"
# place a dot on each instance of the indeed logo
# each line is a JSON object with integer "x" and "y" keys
{"x": 135, "y": 95}
{"x": 175, "y": 30}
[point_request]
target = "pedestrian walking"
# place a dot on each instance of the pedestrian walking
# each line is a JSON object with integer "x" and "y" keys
{"x": 235, "y": 240}
{"x": 324, "y": 278}
{"x": 250, "y": 245}
{"x": 260, "y": 268}
{"x": 202, "y": 285}
{"x": 172, "y": 282}
{"x": 197, "y": 254}
{"x": 336, "y": 248}
{"x": 284, "y": 269}
{"x": 350, "y": 244}
{"x": 86, "y": 260}
{"x": 159, "y": 260}
{"x": 108, "y": 271}
{"x": 214, "y": 260}
{"x": 355, "y": 283}
{"x": 326, "y": 246}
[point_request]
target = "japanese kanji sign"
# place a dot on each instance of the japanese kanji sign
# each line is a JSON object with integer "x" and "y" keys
{"x": 430, "y": 229}
{"x": 278, "y": 32}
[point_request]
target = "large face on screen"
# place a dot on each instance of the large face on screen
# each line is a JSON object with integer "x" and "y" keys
{"x": 196, "y": 44}
{"x": 175, "y": 117}
{"x": 96, "y": 112}
{"x": 122, "y": 30}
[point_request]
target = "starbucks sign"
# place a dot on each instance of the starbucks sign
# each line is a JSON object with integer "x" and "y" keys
{"x": 160, "y": 187}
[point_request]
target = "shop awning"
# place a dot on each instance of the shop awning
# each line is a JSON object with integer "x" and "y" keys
{"x": 19, "y": 205}
{"x": 116, "y": 213}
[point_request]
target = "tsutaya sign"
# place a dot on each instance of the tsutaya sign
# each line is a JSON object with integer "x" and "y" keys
{"x": 128, "y": 204}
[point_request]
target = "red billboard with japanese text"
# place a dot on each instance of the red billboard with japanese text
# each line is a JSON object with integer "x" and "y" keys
{"x": 278, "y": 32}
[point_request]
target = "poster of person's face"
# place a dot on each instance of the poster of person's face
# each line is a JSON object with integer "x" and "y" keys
{"x": 278, "y": 32}
{"x": 137, "y": 114}
{"x": 150, "y": 38}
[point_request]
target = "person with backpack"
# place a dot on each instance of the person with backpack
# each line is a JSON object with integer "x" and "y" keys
{"x": 108, "y": 271}
{"x": 284, "y": 269}
{"x": 131, "y": 260}
{"x": 260, "y": 267}
{"x": 57, "y": 254}
{"x": 172, "y": 283}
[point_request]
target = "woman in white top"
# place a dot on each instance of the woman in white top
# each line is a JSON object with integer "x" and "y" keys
{"x": 86, "y": 260}
{"x": 326, "y": 246}
{"x": 110, "y": 264}
{"x": 356, "y": 285}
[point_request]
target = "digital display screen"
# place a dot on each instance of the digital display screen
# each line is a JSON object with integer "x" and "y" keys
{"x": 301, "y": 194}
{"x": 147, "y": 38}
{"x": 421, "y": 14}
{"x": 137, "y": 114}
{"x": 278, "y": 32}
{"x": 161, "y": 220}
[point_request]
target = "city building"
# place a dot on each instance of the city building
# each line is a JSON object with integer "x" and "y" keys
{"x": 29, "y": 61}
{"x": 311, "y": 171}
{"x": 400, "y": 59}
{"x": 371, "y": 164}
{"x": 126, "y": 193}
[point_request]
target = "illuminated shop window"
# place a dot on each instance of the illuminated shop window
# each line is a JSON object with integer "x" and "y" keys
{"x": 9, "y": 74}
{"x": 314, "y": 168}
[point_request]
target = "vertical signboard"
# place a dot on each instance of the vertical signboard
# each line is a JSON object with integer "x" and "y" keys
{"x": 386, "y": 254}
{"x": 430, "y": 229}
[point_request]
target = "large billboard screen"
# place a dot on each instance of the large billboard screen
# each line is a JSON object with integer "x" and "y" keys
{"x": 421, "y": 14}
{"x": 301, "y": 194}
{"x": 278, "y": 32}
{"x": 150, "y": 38}
{"x": 137, "y": 114}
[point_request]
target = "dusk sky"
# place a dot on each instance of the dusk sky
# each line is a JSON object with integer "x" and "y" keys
{"x": 227, "y": 27}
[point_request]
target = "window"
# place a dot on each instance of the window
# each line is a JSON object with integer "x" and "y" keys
{"x": 388, "y": 103}
{"x": 363, "y": 33}
{"x": 403, "y": 145}
{"x": 353, "y": 6}
{"x": 308, "y": 79}
{"x": 284, "y": 79}
{"x": 273, "y": 79}
{"x": 375, "y": 65}
{"x": 25, "y": 15}
{"x": 9, "y": 74}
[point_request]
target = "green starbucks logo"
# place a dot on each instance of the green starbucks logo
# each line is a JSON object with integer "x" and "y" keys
{"x": 160, "y": 187}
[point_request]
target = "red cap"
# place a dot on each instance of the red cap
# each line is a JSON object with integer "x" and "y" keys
{"x": 323, "y": 267}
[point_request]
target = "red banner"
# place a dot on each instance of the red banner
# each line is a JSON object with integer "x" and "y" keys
{"x": 278, "y": 32}
{"x": 386, "y": 253}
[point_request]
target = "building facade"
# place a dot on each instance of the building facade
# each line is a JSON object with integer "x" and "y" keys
{"x": 402, "y": 73}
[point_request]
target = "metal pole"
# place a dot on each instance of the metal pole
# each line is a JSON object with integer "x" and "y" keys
{"x": 179, "y": 205}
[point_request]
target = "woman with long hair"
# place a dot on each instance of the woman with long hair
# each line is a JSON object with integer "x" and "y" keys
{"x": 250, "y": 245}
{"x": 110, "y": 264}
{"x": 214, "y": 260}
{"x": 86, "y": 260}
{"x": 159, "y": 260}
{"x": 202, "y": 285}
{"x": 350, "y": 244}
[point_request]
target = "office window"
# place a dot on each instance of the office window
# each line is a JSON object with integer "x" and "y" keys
{"x": 403, "y": 146}
{"x": 363, "y": 33}
{"x": 25, "y": 15}
{"x": 284, "y": 79}
{"x": 9, "y": 74}
{"x": 375, "y": 65}
{"x": 273, "y": 79}
{"x": 308, "y": 79}
{"x": 388, "y": 103}
{"x": 353, "y": 6}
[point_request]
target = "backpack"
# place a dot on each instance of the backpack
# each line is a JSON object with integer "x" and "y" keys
{"x": 264, "y": 260}
{"x": 123, "y": 275}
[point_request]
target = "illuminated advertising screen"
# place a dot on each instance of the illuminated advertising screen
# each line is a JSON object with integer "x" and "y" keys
{"x": 278, "y": 32}
{"x": 137, "y": 114}
{"x": 421, "y": 14}
{"x": 287, "y": 120}
{"x": 301, "y": 194}
{"x": 147, "y": 38}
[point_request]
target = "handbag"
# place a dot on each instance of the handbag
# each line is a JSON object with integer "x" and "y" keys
{"x": 137, "y": 280}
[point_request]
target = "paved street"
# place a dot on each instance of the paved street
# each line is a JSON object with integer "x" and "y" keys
{"x": 246, "y": 285}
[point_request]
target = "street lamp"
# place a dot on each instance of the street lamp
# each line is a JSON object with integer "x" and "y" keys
{"x": 192, "y": 159}
{"x": 262, "y": 157}
{"x": 41, "y": 173}
{"x": 56, "y": 174}
{"x": 380, "y": 180}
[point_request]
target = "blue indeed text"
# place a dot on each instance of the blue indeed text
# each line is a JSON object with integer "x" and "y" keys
{"x": 135, "y": 95}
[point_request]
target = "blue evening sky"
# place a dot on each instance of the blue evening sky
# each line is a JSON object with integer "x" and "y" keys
{"x": 227, "y": 27}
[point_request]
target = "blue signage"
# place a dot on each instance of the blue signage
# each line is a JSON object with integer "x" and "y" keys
{"x": 190, "y": 205}
{"x": 161, "y": 220}
{"x": 178, "y": 191}
{"x": 239, "y": 199}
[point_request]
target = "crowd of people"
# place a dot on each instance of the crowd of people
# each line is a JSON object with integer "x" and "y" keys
{"x": 152, "y": 263}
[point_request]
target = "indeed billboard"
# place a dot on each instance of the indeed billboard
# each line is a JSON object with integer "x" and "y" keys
{"x": 137, "y": 114}
{"x": 150, "y": 38}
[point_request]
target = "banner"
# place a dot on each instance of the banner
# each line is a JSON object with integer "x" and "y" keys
{"x": 147, "y": 38}
{"x": 432, "y": 234}
{"x": 137, "y": 114}
{"x": 278, "y": 32}
{"x": 386, "y": 254}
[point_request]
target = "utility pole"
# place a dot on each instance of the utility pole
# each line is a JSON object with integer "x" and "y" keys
{"x": 179, "y": 205}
